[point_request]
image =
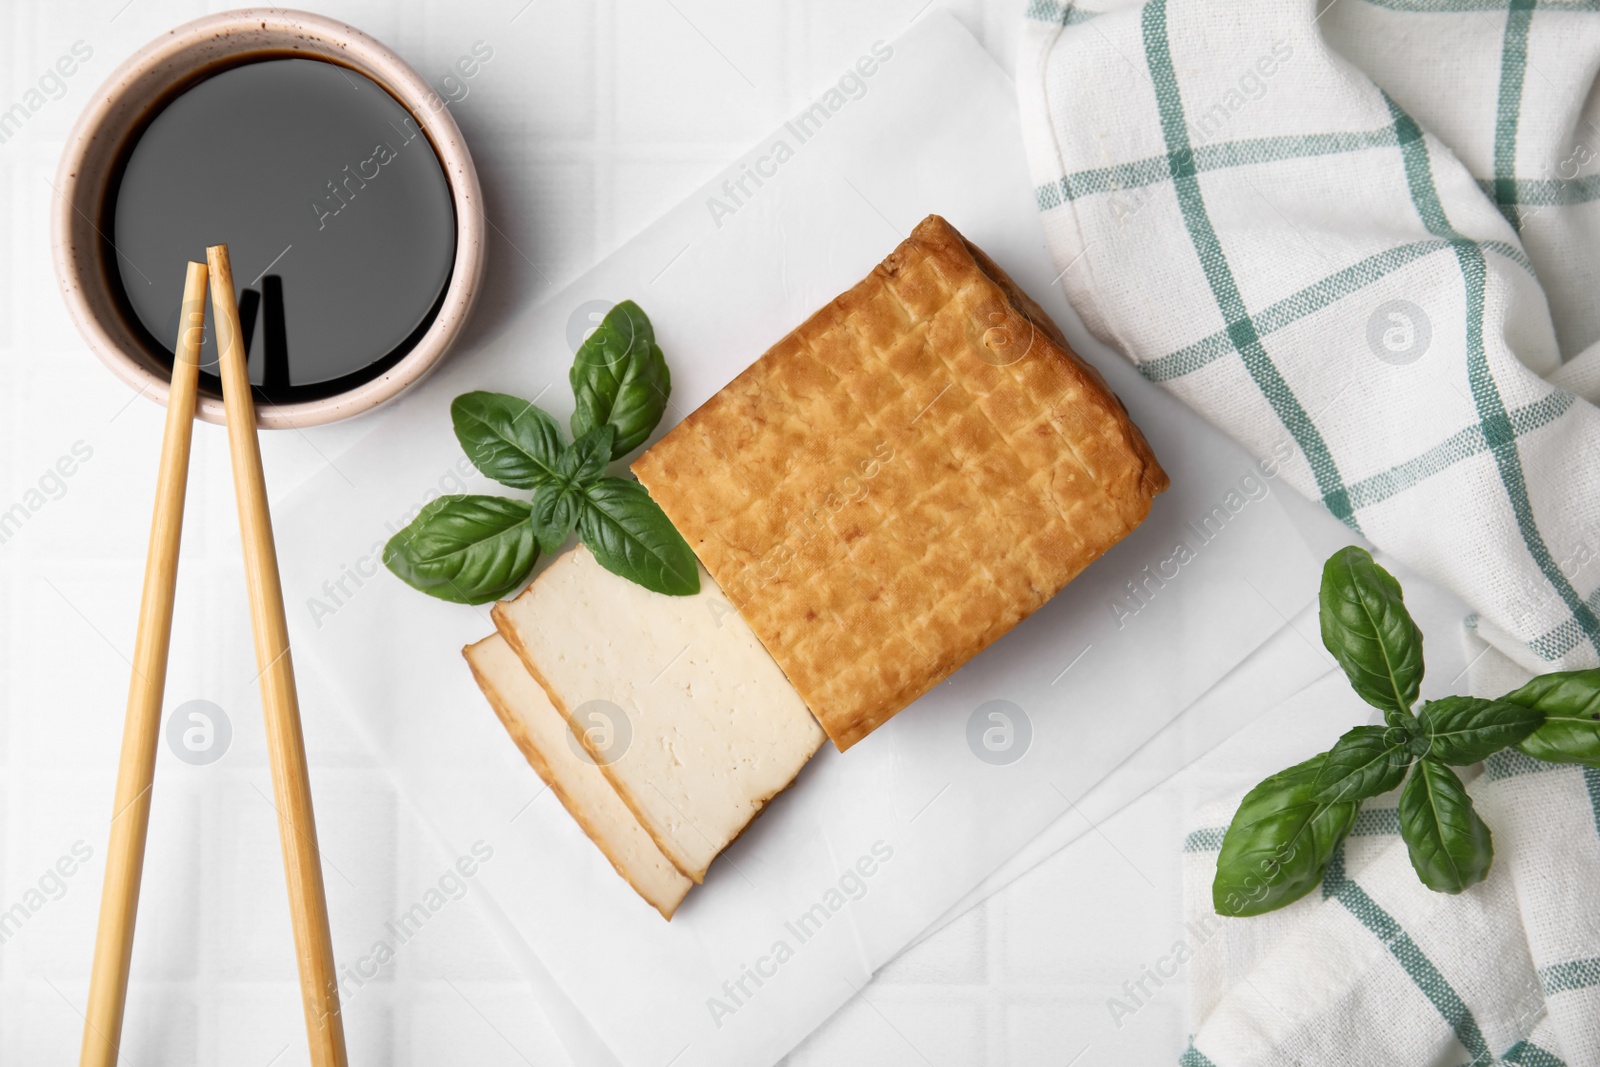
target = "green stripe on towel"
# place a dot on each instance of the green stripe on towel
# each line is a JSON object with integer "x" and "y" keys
{"x": 1510, "y": 763}
{"x": 1527, "y": 1054}
{"x": 1375, "y": 822}
{"x": 1213, "y": 261}
{"x": 1565, "y": 977}
{"x": 1292, "y": 308}
{"x": 1207, "y": 157}
{"x": 1591, "y": 781}
{"x": 1053, "y": 11}
{"x": 1207, "y": 839}
{"x": 1492, "y": 414}
{"x": 1566, "y": 636}
{"x": 1311, "y": 299}
{"x": 1549, "y": 192}
{"x": 1415, "y": 962}
{"x": 1513, "y": 65}
{"x": 1459, "y": 446}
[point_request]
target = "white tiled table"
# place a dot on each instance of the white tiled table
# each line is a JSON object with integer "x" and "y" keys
{"x": 610, "y": 112}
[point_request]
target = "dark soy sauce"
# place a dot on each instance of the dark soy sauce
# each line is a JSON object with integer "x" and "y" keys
{"x": 332, "y": 203}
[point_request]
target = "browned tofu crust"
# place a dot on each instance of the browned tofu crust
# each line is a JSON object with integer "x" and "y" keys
{"x": 906, "y": 476}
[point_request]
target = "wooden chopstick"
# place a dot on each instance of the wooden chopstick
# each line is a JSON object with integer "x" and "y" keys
{"x": 130, "y": 819}
{"x": 302, "y": 862}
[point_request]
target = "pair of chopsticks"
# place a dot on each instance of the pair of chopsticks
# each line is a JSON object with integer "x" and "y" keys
{"x": 308, "y": 909}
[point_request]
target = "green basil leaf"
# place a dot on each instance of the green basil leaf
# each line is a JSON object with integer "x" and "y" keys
{"x": 1570, "y": 701}
{"x": 465, "y": 549}
{"x": 1367, "y": 628}
{"x": 630, "y": 535}
{"x": 587, "y": 457}
{"x": 555, "y": 515}
{"x": 1279, "y": 843}
{"x": 510, "y": 440}
{"x": 620, "y": 377}
{"x": 1464, "y": 730}
{"x": 1365, "y": 762}
{"x": 1449, "y": 844}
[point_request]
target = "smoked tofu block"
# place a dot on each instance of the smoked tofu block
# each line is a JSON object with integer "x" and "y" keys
{"x": 541, "y": 732}
{"x": 902, "y": 479}
{"x": 681, "y": 706}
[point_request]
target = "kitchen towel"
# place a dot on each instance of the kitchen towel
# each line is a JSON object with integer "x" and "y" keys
{"x": 1363, "y": 237}
{"x": 1375, "y": 968}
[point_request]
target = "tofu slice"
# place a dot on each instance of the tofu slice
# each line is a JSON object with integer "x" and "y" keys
{"x": 540, "y": 731}
{"x": 711, "y": 729}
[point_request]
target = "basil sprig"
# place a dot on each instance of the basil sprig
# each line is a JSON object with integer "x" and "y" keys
{"x": 474, "y": 549}
{"x": 1286, "y": 830}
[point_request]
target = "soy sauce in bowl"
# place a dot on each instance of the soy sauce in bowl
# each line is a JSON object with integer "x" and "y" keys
{"x": 335, "y": 208}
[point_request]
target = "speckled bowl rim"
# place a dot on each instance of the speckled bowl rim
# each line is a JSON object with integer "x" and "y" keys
{"x": 168, "y": 61}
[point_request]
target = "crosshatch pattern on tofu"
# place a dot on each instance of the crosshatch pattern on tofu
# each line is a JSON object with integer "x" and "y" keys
{"x": 902, "y": 479}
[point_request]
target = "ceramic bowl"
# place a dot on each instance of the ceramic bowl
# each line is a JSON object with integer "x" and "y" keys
{"x": 153, "y": 76}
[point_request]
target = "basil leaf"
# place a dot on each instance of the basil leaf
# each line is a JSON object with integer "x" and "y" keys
{"x": 1464, "y": 730}
{"x": 1279, "y": 843}
{"x": 1367, "y": 628}
{"x": 630, "y": 535}
{"x": 465, "y": 549}
{"x": 510, "y": 440}
{"x": 1570, "y": 701}
{"x": 588, "y": 456}
{"x": 620, "y": 378}
{"x": 555, "y": 516}
{"x": 1449, "y": 844}
{"x": 1364, "y": 762}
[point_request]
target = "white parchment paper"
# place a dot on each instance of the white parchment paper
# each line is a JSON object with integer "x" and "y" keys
{"x": 868, "y": 848}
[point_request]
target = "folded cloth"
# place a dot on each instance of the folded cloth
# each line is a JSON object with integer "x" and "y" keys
{"x": 1363, "y": 238}
{"x": 1375, "y": 968}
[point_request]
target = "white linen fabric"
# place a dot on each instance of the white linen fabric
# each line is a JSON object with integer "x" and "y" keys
{"x": 1375, "y": 968}
{"x": 1363, "y": 237}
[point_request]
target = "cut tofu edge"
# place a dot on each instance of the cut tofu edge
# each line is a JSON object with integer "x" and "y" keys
{"x": 716, "y": 729}
{"x": 542, "y": 734}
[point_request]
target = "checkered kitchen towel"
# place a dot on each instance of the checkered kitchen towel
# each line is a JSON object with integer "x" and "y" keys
{"x": 1370, "y": 235}
{"x": 1375, "y": 969}
{"x": 1365, "y": 234}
